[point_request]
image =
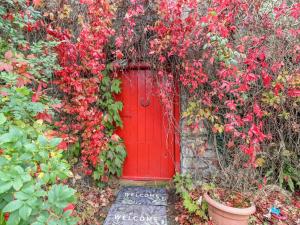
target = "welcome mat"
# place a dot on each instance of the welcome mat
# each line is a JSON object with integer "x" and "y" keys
{"x": 139, "y": 206}
{"x": 120, "y": 214}
{"x": 142, "y": 196}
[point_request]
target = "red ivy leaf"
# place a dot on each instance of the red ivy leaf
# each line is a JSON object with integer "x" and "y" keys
{"x": 266, "y": 79}
{"x": 88, "y": 2}
{"x": 37, "y": 2}
{"x": 69, "y": 207}
{"x": 63, "y": 145}
{"x": 119, "y": 54}
{"x": 293, "y": 92}
{"x": 259, "y": 113}
{"x": 44, "y": 116}
{"x": 8, "y": 55}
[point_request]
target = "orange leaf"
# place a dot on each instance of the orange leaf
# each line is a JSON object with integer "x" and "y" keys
{"x": 37, "y": 2}
{"x": 8, "y": 55}
{"x": 6, "y": 67}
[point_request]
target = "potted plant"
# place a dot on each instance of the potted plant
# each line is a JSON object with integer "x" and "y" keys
{"x": 228, "y": 208}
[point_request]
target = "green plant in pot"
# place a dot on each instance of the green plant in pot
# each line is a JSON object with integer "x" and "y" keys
{"x": 226, "y": 207}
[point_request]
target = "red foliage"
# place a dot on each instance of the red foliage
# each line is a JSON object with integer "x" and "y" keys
{"x": 223, "y": 55}
{"x": 236, "y": 42}
{"x": 79, "y": 78}
{"x": 69, "y": 207}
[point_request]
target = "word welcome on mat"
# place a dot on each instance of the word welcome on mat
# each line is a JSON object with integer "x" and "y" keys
{"x": 139, "y": 206}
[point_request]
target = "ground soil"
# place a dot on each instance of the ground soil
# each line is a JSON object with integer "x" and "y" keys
{"x": 173, "y": 199}
{"x": 274, "y": 196}
{"x": 93, "y": 202}
{"x": 269, "y": 196}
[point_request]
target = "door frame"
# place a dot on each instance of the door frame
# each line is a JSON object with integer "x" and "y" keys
{"x": 177, "y": 110}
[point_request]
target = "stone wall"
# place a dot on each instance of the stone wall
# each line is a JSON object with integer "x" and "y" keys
{"x": 198, "y": 156}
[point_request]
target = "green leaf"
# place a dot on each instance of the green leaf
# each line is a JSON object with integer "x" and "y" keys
{"x": 291, "y": 184}
{"x": 19, "y": 170}
{"x": 5, "y": 138}
{"x": 5, "y": 187}
{"x": 115, "y": 86}
{"x": 42, "y": 140}
{"x": 109, "y": 67}
{"x": 2, "y": 119}
{"x": 23, "y": 90}
{"x": 105, "y": 81}
{"x": 38, "y": 223}
{"x": 14, "y": 219}
{"x": 55, "y": 141}
{"x": 60, "y": 195}
{"x": 17, "y": 184}
{"x": 118, "y": 106}
{"x": 268, "y": 173}
{"x": 25, "y": 212}
{"x": 2, "y": 219}
{"x": 96, "y": 175}
{"x": 42, "y": 219}
{"x": 118, "y": 162}
{"x": 13, "y": 206}
{"x": 15, "y": 132}
{"x": 280, "y": 179}
{"x": 22, "y": 196}
{"x": 26, "y": 178}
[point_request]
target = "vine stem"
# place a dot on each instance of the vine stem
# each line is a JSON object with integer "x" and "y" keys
{"x": 216, "y": 149}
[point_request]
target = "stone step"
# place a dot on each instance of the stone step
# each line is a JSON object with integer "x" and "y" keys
{"x": 142, "y": 196}
{"x": 122, "y": 214}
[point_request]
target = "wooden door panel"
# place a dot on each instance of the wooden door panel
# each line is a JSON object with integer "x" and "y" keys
{"x": 148, "y": 140}
{"x": 129, "y": 117}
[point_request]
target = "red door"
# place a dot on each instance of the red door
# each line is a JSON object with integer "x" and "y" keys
{"x": 148, "y": 139}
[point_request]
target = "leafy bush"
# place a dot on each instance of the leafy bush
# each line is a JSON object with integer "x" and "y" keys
{"x": 282, "y": 168}
{"x": 31, "y": 165}
{"x": 184, "y": 187}
{"x": 239, "y": 62}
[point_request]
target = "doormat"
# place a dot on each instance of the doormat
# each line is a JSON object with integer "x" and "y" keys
{"x": 142, "y": 196}
{"x": 120, "y": 214}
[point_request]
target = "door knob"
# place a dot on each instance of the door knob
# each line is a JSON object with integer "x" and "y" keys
{"x": 145, "y": 103}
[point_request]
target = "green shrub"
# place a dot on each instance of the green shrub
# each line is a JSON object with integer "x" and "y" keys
{"x": 184, "y": 186}
{"x": 30, "y": 164}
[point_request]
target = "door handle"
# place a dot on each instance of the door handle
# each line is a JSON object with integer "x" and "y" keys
{"x": 145, "y": 103}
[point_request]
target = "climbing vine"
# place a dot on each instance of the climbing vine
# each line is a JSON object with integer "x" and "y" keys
{"x": 238, "y": 61}
{"x": 89, "y": 114}
{"x": 113, "y": 156}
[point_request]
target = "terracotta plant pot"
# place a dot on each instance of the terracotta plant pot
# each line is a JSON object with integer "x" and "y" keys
{"x": 225, "y": 215}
